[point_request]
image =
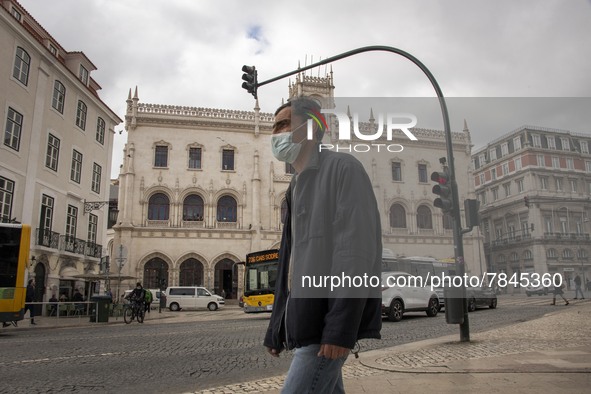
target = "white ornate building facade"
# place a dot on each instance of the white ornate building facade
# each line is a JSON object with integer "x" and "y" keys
{"x": 534, "y": 186}
{"x": 56, "y": 151}
{"x": 199, "y": 189}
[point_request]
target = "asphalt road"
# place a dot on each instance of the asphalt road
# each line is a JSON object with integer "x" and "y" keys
{"x": 190, "y": 356}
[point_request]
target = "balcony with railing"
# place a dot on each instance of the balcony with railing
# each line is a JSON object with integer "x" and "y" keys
{"x": 93, "y": 250}
{"x": 72, "y": 244}
{"x": 47, "y": 238}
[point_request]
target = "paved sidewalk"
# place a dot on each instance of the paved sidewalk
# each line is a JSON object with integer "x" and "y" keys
{"x": 549, "y": 354}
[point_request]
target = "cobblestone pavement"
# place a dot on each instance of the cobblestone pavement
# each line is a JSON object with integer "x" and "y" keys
{"x": 550, "y": 344}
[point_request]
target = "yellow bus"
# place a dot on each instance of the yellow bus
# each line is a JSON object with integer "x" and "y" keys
{"x": 260, "y": 275}
{"x": 14, "y": 255}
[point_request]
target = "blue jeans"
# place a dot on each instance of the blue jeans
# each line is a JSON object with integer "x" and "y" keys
{"x": 309, "y": 373}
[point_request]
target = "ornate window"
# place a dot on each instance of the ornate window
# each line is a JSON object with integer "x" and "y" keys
{"x": 424, "y": 219}
{"x": 158, "y": 207}
{"x": 193, "y": 208}
{"x": 227, "y": 209}
{"x": 397, "y": 216}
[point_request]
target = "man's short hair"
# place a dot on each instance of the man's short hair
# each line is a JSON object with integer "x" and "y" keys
{"x": 306, "y": 108}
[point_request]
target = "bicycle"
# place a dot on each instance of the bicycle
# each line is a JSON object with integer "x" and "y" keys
{"x": 133, "y": 311}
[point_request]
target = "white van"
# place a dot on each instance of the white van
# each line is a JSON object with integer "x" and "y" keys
{"x": 191, "y": 297}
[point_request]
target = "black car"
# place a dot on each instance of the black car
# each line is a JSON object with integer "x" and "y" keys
{"x": 481, "y": 297}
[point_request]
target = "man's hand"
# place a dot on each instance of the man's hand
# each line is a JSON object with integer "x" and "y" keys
{"x": 333, "y": 351}
{"x": 273, "y": 352}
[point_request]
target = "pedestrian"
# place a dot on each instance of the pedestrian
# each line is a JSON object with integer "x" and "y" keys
{"x": 332, "y": 226}
{"x": 53, "y": 309}
{"x": 558, "y": 290}
{"x": 578, "y": 288}
{"x": 588, "y": 285}
{"x": 30, "y": 297}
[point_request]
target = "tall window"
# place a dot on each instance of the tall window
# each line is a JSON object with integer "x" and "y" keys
{"x": 6, "y": 197}
{"x": 59, "y": 96}
{"x": 161, "y": 156}
{"x": 492, "y": 154}
{"x": 520, "y": 186}
{"x": 584, "y": 147}
{"x": 71, "y": 221}
{"x": 536, "y": 140}
{"x": 76, "y": 170}
{"x": 22, "y": 63}
{"x": 100, "y": 130}
{"x": 83, "y": 75}
{"x": 13, "y": 129}
{"x": 555, "y": 162}
{"x": 517, "y": 143}
{"x": 559, "y": 184}
{"x": 96, "y": 178}
{"x": 573, "y": 185}
{"x": 570, "y": 164}
{"x": 81, "y": 115}
{"x": 507, "y": 188}
{"x": 504, "y": 148}
{"x": 505, "y": 168}
{"x": 92, "y": 226}
{"x": 193, "y": 208}
{"x": 544, "y": 183}
{"x": 195, "y": 158}
{"x": 46, "y": 218}
{"x": 495, "y": 193}
{"x": 541, "y": 160}
{"x": 565, "y": 143}
{"x": 422, "y": 173}
{"x": 397, "y": 216}
{"x": 424, "y": 220}
{"x": 228, "y": 160}
{"x": 551, "y": 142}
{"x": 227, "y": 209}
{"x": 158, "y": 207}
{"x": 518, "y": 164}
{"x": 53, "y": 151}
{"x": 396, "y": 171}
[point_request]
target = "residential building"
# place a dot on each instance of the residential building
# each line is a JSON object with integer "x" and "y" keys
{"x": 55, "y": 156}
{"x": 534, "y": 186}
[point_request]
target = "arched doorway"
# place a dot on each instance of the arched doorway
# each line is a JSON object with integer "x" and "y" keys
{"x": 191, "y": 273}
{"x": 156, "y": 274}
{"x": 226, "y": 278}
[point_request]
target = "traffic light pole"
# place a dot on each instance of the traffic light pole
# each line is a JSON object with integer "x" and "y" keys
{"x": 457, "y": 227}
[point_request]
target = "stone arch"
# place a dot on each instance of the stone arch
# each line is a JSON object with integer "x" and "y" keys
{"x": 226, "y": 275}
{"x": 192, "y": 269}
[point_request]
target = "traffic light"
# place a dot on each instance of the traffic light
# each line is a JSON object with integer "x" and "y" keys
{"x": 250, "y": 78}
{"x": 526, "y": 201}
{"x": 443, "y": 190}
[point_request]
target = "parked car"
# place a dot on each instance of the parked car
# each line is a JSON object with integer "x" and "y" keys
{"x": 192, "y": 297}
{"x": 539, "y": 290}
{"x": 398, "y": 300}
{"x": 483, "y": 296}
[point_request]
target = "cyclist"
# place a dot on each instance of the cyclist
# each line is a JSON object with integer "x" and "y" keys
{"x": 138, "y": 297}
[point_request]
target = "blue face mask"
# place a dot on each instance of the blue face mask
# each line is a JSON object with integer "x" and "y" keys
{"x": 283, "y": 147}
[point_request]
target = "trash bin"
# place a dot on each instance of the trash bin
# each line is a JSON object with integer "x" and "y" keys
{"x": 103, "y": 302}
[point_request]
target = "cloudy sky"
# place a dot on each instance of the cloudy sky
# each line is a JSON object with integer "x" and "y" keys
{"x": 190, "y": 52}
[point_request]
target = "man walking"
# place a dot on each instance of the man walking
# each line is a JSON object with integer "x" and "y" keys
{"x": 30, "y": 297}
{"x": 332, "y": 227}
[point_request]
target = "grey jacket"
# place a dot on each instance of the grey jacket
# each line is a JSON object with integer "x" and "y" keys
{"x": 334, "y": 217}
